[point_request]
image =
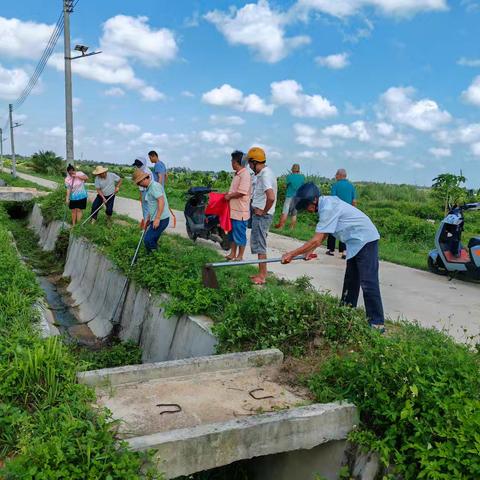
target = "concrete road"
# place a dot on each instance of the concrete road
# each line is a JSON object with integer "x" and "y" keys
{"x": 433, "y": 301}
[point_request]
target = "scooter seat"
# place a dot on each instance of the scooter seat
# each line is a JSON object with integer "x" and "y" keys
{"x": 464, "y": 257}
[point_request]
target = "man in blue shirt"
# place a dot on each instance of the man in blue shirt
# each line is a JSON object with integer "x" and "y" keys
{"x": 344, "y": 190}
{"x": 360, "y": 235}
{"x": 159, "y": 168}
{"x": 293, "y": 182}
{"x": 158, "y": 211}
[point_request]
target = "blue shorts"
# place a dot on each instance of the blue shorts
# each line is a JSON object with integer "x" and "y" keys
{"x": 238, "y": 235}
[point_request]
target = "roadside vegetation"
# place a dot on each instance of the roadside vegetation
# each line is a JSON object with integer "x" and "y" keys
{"x": 406, "y": 216}
{"x": 418, "y": 391}
{"x": 48, "y": 427}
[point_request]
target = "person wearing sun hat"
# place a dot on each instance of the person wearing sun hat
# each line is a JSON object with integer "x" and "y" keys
{"x": 140, "y": 163}
{"x": 264, "y": 199}
{"x": 107, "y": 185}
{"x": 158, "y": 211}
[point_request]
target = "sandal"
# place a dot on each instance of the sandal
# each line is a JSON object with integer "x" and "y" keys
{"x": 256, "y": 280}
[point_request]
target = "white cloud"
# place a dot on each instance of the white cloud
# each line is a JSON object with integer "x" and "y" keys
{"x": 440, "y": 152}
{"x": 258, "y": 27}
{"x": 12, "y": 82}
{"x": 335, "y": 62}
{"x": 417, "y": 165}
{"x": 469, "y": 133}
{"x": 114, "y": 92}
{"x": 125, "y": 38}
{"x": 472, "y": 94}
{"x": 424, "y": 115}
{"x": 352, "y": 110}
{"x": 220, "y": 136}
{"x": 187, "y": 93}
{"x": 227, "y": 96}
{"x": 289, "y": 93}
{"x": 469, "y": 62}
{"x": 23, "y": 39}
{"x": 226, "y": 120}
{"x": 151, "y": 94}
{"x": 132, "y": 37}
{"x": 124, "y": 127}
{"x": 475, "y": 148}
{"x": 308, "y": 136}
{"x": 152, "y": 139}
{"x": 55, "y": 132}
{"x": 357, "y": 130}
{"x": 382, "y": 155}
{"x": 396, "y": 8}
{"x": 307, "y": 154}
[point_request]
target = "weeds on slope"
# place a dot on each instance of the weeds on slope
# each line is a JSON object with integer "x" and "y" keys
{"x": 418, "y": 393}
{"x": 287, "y": 315}
{"x": 48, "y": 429}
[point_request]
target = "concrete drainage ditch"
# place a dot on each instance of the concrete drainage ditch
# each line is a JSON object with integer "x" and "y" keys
{"x": 202, "y": 413}
{"x": 197, "y": 410}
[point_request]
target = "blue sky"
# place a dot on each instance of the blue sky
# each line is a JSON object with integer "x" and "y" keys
{"x": 388, "y": 89}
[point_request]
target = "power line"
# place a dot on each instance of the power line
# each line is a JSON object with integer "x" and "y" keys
{"x": 47, "y": 53}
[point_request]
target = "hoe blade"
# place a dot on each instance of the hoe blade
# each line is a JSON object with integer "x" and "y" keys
{"x": 209, "y": 277}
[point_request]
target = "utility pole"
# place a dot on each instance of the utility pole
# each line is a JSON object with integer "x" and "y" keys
{"x": 1, "y": 150}
{"x": 67, "y": 10}
{"x": 12, "y": 143}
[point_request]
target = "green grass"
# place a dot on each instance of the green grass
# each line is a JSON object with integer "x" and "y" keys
{"x": 418, "y": 395}
{"x": 48, "y": 428}
{"x": 19, "y": 182}
{"x": 402, "y": 213}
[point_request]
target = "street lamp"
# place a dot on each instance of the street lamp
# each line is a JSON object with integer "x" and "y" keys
{"x": 67, "y": 10}
{"x": 83, "y": 49}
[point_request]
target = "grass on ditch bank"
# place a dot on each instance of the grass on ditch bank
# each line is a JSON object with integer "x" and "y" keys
{"x": 48, "y": 428}
{"x": 418, "y": 393}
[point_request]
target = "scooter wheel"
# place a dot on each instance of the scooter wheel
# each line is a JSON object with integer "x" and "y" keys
{"x": 190, "y": 234}
{"x": 434, "y": 267}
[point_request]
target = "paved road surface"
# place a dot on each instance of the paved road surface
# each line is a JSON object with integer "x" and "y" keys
{"x": 407, "y": 293}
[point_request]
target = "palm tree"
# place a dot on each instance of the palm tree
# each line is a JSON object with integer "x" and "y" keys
{"x": 47, "y": 162}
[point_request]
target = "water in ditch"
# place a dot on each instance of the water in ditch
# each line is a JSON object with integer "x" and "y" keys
{"x": 64, "y": 318}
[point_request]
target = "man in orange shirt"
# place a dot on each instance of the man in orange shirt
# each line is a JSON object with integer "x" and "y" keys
{"x": 239, "y": 198}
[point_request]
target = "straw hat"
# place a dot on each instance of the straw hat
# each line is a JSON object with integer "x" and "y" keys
{"x": 139, "y": 175}
{"x": 98, "y": 170}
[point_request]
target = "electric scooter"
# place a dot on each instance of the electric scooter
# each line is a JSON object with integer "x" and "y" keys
{"x": 450, "y": 257}
{"x": 199, "y": 224}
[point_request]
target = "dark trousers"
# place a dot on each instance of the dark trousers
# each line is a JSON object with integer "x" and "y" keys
{"x": 331, "y": 244}
{"x": 109, "y": 206}
{"x": 362, "y": 271}
{"x": 152, "y": 235}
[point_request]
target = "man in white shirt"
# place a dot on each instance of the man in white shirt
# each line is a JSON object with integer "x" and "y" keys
{"x": 264, "y": 199}
{"x": 356, "y": 230}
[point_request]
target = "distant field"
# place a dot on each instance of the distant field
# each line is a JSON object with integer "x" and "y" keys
{"x": 406, "y": 216}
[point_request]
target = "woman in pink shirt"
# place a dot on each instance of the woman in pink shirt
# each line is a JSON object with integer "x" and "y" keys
{"x": 239, "y": 198}
{"x": 76, "y": 198}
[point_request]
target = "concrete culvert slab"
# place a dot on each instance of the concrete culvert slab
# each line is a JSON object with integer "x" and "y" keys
{"x": 206, "y": 412}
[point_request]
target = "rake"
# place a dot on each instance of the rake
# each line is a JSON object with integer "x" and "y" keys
{"x": 209, "y": 275}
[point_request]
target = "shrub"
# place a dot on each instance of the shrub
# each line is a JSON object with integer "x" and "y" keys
{"x": 278, "y": 315}
{"x": 48, "y": 429}
{"x": 418, "y": 393}
{"x": 47, "y": 162}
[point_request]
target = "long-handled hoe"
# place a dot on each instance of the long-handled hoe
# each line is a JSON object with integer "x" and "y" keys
{"x": 93, "y": 213}
{"x": 209, "y": 275}
{"x": 122, "y": 297}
